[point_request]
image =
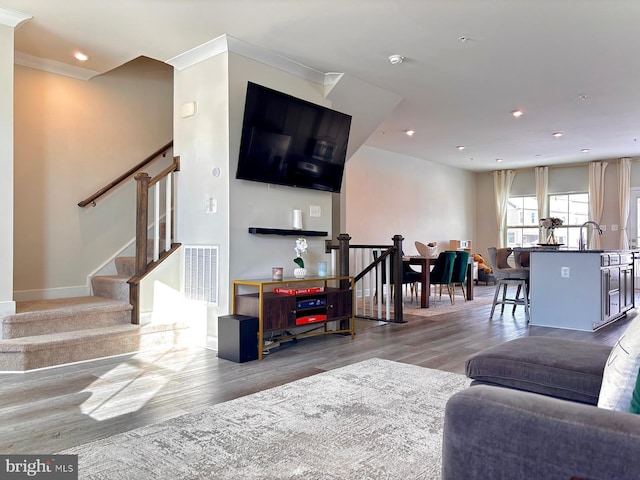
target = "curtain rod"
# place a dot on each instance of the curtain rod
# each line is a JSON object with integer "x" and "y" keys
{"x": 568, "y": 165}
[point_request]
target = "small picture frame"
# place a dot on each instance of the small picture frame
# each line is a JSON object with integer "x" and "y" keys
{"x": 277, "y": 273}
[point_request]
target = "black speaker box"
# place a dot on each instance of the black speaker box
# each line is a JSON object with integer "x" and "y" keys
{"x": 238, "y": 338}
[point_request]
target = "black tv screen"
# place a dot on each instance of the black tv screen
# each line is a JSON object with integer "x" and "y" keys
{"x": 289, "y": 141}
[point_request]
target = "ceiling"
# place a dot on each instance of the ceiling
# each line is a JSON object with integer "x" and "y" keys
{"x": 571, "y": 66}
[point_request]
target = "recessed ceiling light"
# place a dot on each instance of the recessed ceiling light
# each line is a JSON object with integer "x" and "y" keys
{"x": 461, "y": 147}
{"x": 517, "y": 113}
{"x": 583, "y": 96}
{"x": 409, "y": 132}
{"x": 83, "y": 57}
{"x": 557, "y": 134}
{"x": 499, "y": 160}
{"x": 396, "y": 59}
{"x": 464, "y": 38}
{"x": 585, "y": 150}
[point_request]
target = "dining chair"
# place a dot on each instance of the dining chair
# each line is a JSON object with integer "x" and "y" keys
{"x": 409, "y": 276}
{"x": 507, "y": 275}
{"x": 442, "y": 273}
{"x": 459, "y": 275}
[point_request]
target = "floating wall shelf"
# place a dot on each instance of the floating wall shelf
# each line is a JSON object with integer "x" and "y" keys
{"x": 281, "y": 231}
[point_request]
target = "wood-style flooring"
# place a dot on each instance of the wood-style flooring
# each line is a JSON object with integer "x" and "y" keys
{"x": 49, "y": 410}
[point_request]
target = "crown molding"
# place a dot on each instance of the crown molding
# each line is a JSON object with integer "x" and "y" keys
{"x": 53, "y": 66}
{"x": 227, "y": 43}
{"x": 13, "y": 18}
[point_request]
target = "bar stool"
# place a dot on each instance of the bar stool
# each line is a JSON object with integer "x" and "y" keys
{"x": 507, "y": 275}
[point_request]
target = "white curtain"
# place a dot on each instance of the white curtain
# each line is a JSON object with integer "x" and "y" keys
{"x": 502, "y": 181}
{"x": 542, "y": 194}
{"x": 596, "y": 197}
{"x": 624, "y": 193}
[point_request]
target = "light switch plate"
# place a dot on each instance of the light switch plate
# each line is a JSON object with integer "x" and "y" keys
{"x": 315, "y": 211}
{"x": 212, "y": 205}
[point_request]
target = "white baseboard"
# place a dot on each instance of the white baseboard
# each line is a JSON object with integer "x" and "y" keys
{"x": 8, "y": 307}
{"x": 51, "y": 293}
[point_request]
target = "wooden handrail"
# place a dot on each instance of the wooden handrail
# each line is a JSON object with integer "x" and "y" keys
{"x": 92, "y": 199}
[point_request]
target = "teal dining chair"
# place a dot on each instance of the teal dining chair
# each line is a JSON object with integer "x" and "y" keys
{"x": 459, "y": 275}
{"x": 442, "y": 273}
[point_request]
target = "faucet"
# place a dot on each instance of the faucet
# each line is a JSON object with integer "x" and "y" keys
{"x": 582, "y": 242}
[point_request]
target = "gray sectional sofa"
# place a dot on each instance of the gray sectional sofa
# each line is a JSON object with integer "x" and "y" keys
{"x": 530, "y": 413}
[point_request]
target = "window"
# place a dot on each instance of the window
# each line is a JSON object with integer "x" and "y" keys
{"x": 573, "y": 209}
{"x": 522, "y": 222}
{"x": 522, "y": 219}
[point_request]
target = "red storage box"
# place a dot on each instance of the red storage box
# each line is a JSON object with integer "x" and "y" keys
{"x": 310, "y": 319}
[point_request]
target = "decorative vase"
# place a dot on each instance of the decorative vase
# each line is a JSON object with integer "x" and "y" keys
{"x": 299, "y": 272}
{"x": 551, "y": 238}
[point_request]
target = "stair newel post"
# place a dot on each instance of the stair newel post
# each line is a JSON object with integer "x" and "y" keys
{"x": 343, "y": 257}
{"x": 343, "y": 267}
{"x": 142, "y": 220}
{"x": 397, "y": 279}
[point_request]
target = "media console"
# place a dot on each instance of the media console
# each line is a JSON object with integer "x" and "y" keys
{"x": 303, "y": 308}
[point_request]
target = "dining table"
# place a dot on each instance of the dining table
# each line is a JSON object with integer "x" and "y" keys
{"x": 425, "y": 264}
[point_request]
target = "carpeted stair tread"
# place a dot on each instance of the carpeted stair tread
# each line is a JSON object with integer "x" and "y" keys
{"x": 126, "y": 266}
{"x": 28, "y": 353}
{"x": 43, "y": 317}
{"x": 64, "y": 306}
{"x": 38, "y": 342}
{"x": 111, "y": 286}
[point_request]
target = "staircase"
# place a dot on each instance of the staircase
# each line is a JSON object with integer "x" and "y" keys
{"x": 44, "y": 333}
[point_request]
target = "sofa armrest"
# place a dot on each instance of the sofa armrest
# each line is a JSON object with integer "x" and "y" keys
{"x": 499, "y": 433}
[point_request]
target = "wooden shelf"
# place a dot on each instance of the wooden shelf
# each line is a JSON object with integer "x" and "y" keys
{"x": 281, "y": 231}
{"x": 285, "y": 313}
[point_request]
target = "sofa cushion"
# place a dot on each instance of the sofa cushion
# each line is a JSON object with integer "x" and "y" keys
{"x": 556, "y": 367}
{"x": 621, "y": 370}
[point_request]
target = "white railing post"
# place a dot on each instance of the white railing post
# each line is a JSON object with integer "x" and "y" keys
{"x": 168, "y": 213}
{"x": 156, "y": 222}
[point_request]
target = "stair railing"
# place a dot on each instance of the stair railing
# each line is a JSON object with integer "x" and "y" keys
{"x": 91, "y": 200}
{"x": 144, "y": 183}
{"x": 366, "y": 263}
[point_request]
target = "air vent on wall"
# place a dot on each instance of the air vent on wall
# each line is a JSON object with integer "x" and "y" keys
{"x": 201, "y": 273}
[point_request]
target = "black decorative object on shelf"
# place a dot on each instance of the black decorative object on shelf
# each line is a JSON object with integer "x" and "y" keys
{"x": 284, "y": 231}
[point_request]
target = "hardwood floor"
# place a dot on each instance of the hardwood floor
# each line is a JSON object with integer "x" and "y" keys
{"x": 49, "y": 410}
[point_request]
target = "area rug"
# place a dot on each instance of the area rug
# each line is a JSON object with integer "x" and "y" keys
{"x": 374, "y": 419}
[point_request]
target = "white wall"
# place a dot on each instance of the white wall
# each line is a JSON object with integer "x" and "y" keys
{"x": 260, "y": 205}
{"x": 390, "y": 194}
{"x": 6, "y": 166}
{"x": 212, "y": 139}
{"x": 72, "y": 137}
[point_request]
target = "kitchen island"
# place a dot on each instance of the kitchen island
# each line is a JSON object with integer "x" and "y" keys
{"x": 580, "y": 289}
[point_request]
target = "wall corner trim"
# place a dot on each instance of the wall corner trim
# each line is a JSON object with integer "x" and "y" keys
{"x": 53, "y": 66}
{"x": 13, "y": 18}
{"x": 227, "y": 43}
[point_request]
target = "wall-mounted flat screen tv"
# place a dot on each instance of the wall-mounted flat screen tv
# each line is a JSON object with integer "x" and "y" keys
{"x": 289, "y": 141}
